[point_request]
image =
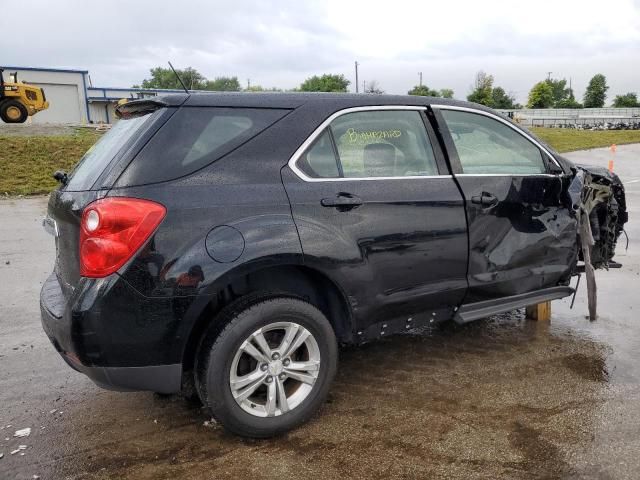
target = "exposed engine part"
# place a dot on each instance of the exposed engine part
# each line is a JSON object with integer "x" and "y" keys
{"x": 587, "y": 243}
{"x": 599, "y": 202}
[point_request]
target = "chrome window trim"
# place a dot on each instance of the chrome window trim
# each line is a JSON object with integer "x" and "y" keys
{"x": 504, "y": 121}
{"x": 506, "y": 175}
{"x": 316, "y": 133}
{"x": 351, "y": 179}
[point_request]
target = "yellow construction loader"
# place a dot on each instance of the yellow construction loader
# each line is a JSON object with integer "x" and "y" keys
{"x": 19, "y": 100}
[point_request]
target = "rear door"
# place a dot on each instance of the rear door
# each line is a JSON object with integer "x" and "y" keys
{"x": 522, "y": 236}
{"x": 378, "y": 212}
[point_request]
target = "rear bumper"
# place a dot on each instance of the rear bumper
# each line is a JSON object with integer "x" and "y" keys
{"x": 66, "y": 328}
{"x": 155, "y": 378}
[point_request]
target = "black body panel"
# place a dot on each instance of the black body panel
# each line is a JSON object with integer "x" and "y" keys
{"x": 403, "y": 251}
{"x": 65, "y": 208}
{"x": 82, "y": 338}
{"x": 525, "y": 242}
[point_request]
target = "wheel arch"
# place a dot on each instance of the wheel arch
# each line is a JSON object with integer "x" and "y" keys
{"x": 297, "y": 280}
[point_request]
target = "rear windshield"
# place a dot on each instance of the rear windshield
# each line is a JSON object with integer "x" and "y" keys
{"x": 96, "y": 159}
{"x": 193, "y": 138}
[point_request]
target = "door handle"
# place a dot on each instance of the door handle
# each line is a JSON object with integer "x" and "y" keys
{"x": 485, "y": 199}
{"x": 342, "y": 201}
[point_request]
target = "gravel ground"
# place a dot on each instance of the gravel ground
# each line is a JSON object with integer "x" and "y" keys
{"x": 499, "y": 398}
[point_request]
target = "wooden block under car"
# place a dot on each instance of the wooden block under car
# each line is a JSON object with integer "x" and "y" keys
{"x": 540, "y": 311}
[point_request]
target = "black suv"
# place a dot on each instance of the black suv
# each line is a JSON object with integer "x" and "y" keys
{"x": 229, "y": 242}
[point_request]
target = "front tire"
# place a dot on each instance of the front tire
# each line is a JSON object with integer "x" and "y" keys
{"x": 12, "y": 111}
{"x": 270, "y": 368}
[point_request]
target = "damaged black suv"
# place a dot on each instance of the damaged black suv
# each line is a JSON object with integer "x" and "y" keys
{"x": 227, "y": 243}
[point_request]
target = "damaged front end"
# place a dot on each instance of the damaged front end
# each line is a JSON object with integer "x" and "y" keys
{"x": 604, "y": 199}
{"x": 598, "y": 199}
{"x": 599, "y": 194}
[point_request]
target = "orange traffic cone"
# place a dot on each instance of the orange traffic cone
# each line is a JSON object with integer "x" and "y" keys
{"x": 613, "y": 149}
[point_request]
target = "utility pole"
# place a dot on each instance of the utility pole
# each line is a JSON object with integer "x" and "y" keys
{"x": 248, "y": 83}
{"x": 420, "y": 76}
{"x": 364, "y": 86}
{"x": 357, "y": 77}
{"x": 549, "y": 75}
{"x": 572, "y": 95}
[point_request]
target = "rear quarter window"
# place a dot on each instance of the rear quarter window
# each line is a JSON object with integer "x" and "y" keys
{"x": 193, "y": 138}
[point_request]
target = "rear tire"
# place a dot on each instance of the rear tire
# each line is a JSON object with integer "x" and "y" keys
{"x": 270, "y": 367}
{"x": 12, "y": 111}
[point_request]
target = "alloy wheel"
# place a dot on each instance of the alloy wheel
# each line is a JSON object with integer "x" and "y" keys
{"x": 275, "y": 369}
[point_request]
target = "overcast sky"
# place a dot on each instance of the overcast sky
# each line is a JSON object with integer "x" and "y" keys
{"x": 280, "y": 43}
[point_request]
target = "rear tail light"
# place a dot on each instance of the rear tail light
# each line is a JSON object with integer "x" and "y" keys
{"x": 112, "y": 230}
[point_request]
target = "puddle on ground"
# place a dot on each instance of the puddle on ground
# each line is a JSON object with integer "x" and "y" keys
{"x": 504, "y": 397}
{"x": 589, "y": 368}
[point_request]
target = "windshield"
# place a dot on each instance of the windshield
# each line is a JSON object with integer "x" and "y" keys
{"x": 93, "y": 163}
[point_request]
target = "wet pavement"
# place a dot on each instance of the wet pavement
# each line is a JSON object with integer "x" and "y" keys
{"x": 500, "y": 398}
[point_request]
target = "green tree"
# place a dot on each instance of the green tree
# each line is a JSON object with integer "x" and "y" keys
{"x": 541, "y": 95}
{"x": 165, "y": 78}
{"x": 569, "y": 101}
{"x": 446, "y": 93}
{"x": 562, "y": 95}
{"x": 260, "y": 88}
{"x": 325, "y": 83}
{"x": 559, "y": 90}
{"x": 482, "y": 89}
{"x": 596, "y": 92}
{"x": 500, "y": 99}
{"x": 627, "y": 100}
{"x": 424, "y": 91}
{"x": 373, "y": 87}
{"x": 223, "y": 84}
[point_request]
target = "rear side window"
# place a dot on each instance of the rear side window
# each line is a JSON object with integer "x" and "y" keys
{"x": 195, "y": 137}
{"x": 383, "y": 144}
{"x": 371, "y": 144}
{"x": 320, "y": 160}
{"x": 97, "y": 158}
{"x": 488, "y": 146}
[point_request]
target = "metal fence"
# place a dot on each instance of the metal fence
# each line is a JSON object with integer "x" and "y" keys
{"x": 583, "y": 118}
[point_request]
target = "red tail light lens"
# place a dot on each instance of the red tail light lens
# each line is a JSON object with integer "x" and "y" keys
{"x": 112, "y": 230}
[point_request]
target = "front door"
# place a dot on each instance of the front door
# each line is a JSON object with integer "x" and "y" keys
{"x": 378, "y": 213}
{"x": 522, "y": 236}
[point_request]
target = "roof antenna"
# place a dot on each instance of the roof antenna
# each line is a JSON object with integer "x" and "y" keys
{"x": 178, "y": 77}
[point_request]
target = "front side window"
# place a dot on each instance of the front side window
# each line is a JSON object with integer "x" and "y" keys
{"x": 371, "y": 144}
{"x": 487, "y": 146}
